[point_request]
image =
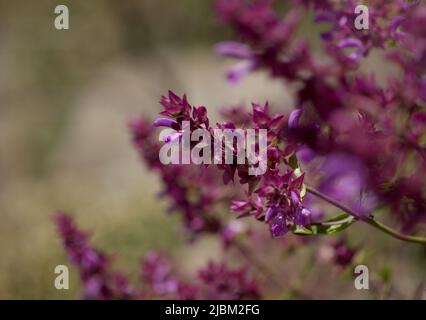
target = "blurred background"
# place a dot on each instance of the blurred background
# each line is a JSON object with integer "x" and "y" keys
{"x": 65, "y": 100}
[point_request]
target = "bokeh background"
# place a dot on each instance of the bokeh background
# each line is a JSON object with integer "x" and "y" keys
{"x": 65, "y": 100}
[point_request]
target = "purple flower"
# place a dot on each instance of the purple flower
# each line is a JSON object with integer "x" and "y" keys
{"x": 239, "y": 51}
{"x": 423, "y": 89}
{"x": 345, "y": 180}
{"x": 278, "y": 226}
{"x": 331, "y": 18}
{"x": 355, "y": 44}
{"x": 98, "y": 281}
{"x": 278, "y": 201}
{"x": 233, "y": 230}
{"x": 343, "y": 254}
{"x": 303, "y": 217}
{"x": 395, "y": 26}
{"x": 157, "y": 275}
{"x": 305, "y": 154}
{"x": 175, "y": 106}
{"x": 222, "y": 283}
{"x": 165, "y": 122}
{"x": 293, "y": 119}
{"x": 173, "y": 137}
{"x": 406, "y": 4}
{"x": 240, "y": 70}
{"x": 234, "y": 50}
{"x": 313, "y": 205}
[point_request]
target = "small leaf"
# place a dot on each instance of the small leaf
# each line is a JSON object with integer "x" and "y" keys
{"x": 334, "y": 229}
{"x": 320, "y": 229}
{"x": 293, "y": 162}
{"x": 303, "y": 191}
{"x": 338, "y": 217}
{"x": 302, "y": 231}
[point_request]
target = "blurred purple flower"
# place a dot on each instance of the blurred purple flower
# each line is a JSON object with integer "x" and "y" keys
{"x": 234, "y": 50}
{"x": 345, "y": 179}
{"x": 343, "y": 254}
{"x": 223, "y": 283}
{"x": 165, "y": 122}
{"x": 98, "y": 281}
{"x": 293, "y": 119}
{"x": 356, "y": 45}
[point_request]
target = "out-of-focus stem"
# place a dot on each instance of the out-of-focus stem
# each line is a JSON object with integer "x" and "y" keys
{"x": 268, "y": 274}
{"x": 258, "y": 265}
{"x": 378, "y": 225}
{"x": 371, "y": 221}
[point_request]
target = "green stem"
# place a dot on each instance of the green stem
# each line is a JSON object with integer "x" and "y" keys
{"x": 370, "y": 220}
{"x": 378, "y": 225}
{"x": 335, "y": 223}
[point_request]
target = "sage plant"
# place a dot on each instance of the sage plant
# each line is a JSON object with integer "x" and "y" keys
{"x": 349, "y": 148}
{"x": 349, "y": 141}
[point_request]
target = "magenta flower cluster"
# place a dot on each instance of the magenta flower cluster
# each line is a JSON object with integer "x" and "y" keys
{"x": 98, "y": 281}
{"x": 158, "y": 279}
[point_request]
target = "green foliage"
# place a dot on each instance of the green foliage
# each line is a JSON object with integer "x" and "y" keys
{"x": 328, "y": 227}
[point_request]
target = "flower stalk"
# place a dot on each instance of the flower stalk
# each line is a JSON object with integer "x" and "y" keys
{"x": 369, "y": 220}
